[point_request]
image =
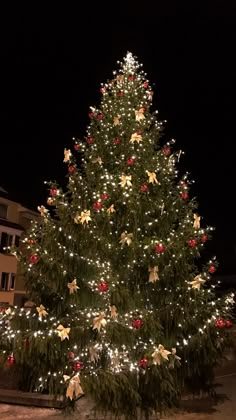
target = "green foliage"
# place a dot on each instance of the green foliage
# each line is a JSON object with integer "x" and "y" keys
{"x": 125, "y": 235}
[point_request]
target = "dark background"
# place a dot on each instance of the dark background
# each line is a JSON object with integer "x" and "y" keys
{"x": 52, "y": 65}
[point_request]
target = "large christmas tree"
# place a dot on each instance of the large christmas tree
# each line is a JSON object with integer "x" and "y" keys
{"x": 123, "y": 309}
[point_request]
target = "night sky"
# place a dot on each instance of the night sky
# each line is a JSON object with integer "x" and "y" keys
{"x": 51, "y": 70}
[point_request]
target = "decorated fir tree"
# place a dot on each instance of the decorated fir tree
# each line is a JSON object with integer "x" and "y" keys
{"x": 123, "y": 309}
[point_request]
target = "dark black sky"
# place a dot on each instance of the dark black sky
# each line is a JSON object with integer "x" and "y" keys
{"x": 51, "y": 70}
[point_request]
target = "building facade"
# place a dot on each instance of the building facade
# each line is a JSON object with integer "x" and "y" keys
{"x": 14, "y": 221}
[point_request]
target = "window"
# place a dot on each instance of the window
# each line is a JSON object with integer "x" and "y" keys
{"x": 7, "y": 281}
{"x": 12, "y": 281}
{"x": 3, "y": 211}
{"x": 7, "y": 240}
{"x": 17, "y": 240}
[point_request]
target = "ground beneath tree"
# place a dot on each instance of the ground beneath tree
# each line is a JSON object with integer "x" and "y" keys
{"x": 198, "y": 409}
{"x": 224, "y": 408}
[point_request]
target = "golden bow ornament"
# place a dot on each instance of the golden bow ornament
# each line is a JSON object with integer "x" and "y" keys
{"x": 83, "y": 217}
{"x": 136, "y": 137}
{"x": 196, "y": 223}
{"x": 99, "y": 321}
{"x": 74, "y": 388}
{"x": 41, "y": 311}
{"x": 153, "y": 274}
{"x": 152, "y": 178}
{"x": 93, "y": 351}
{"x": 63, "y": 332}
{"x": 120, "y": 78}
{"x": 139, "y": 115}
{"x": 126, "y": 238}
{"x": 98, "y": 160}
{"x": 111, "y": 209}
{"x": 73, "y": 286}
{"x": 43, "y": 211}
{"x": 67, "y": 155}
{"x": 116, "y": 120}
{"x": 113, "y": 311}
{"x": 197, "y": 282}
{"x": 160, "y": 354}
{"x": 126, "y": 180}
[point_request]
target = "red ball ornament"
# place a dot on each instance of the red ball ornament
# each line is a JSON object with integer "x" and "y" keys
{"x": 137, "y": 323}
{"x": 159, "y": 248}
{"x": 103, "y": 286}
{"x": 143, "y": 363}
{"x": 34, "y": 259}
{"x": 100, "y": 116}
{"x": 145, "y": 85}
{"x": 219, "y": 323}
{"x": 104, "y": 196}
{"x": 183, "y": 184}
{"x": 71, "y": 169}
{"x": 144, "y": 188}
{"x": 120, "y": 93}
{"x": 77, "y": 366}
{"x": 212, "y": 269}
{"x": 184, "y": 195}
{"x": 139, "y": 131}
{"x": 91, "y": 115}
{"x": 71, "y": 355}
{"x": 166, "y": 150}
{"x": 130, "y": 161}
{"x": 131, "y": 77}
{"x": 90, "y": 140}
{"x": 53, "y": 192}
{"x": 11, "y": 360}
{"x": 192, "y": 243}
{"x": 228, "y": 323}
{"x": 204, "y": 238}
{"x": 49, "y": 201}
{"x": 103, "y": 90}
{"x": 116, "y": 141}
{"x": 31, "y": 241}
{"x": 76, "y": 146}
{"x": 97, "y": 205}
